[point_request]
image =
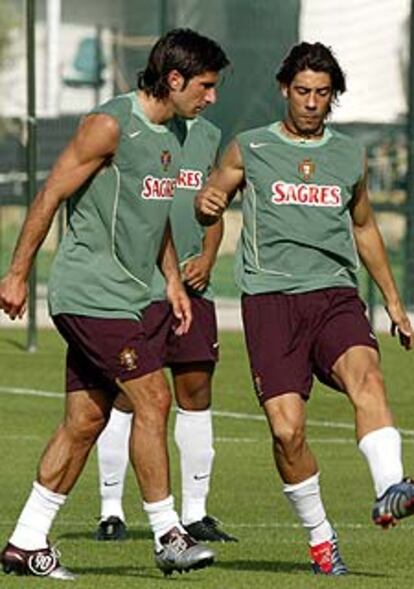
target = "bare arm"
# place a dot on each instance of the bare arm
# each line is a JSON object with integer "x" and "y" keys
{"x": 212, "y": 240}
{"x": 372, "y": 252}
{"x": 226, "y": 178}
{"x": 197, "y": 271}
{"x": 176, "y": 294}
{"x": 94, "y": 142}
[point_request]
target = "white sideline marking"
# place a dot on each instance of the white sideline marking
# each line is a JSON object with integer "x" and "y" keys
{"x": 219, "y": 440}
{"x": 331, "y": 441}
{"x": 232, "y": 415}
{"x": 20, "y": 438}
{"x": 30, "y": 392}
{"x": 309, "y": 422}
{"x": 407, "y": 527}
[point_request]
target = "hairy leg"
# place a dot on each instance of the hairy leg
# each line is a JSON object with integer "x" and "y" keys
{"x": 297, "y": 465}
{"x": 358, "y": 372}
{"x": 192, "y": 385}
{"x": 150, "y": 398}
{"x": 86, "y": 413}
{"x": 286, "y": 416}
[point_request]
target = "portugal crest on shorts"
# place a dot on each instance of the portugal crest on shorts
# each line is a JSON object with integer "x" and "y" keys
{"x": 128, "y": 359}
{"x": 306, "y": 169}
{"x": 165, "y": 159}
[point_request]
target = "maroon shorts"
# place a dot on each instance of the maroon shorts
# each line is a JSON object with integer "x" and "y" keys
{"x": 290, "y": 338}
{"x": 102, "y": 351}
{"x": 198, "y": 345}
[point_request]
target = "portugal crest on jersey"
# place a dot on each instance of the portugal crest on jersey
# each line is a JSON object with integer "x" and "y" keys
{"x": 306, "y": 169}
{"x": 165, "y": 159}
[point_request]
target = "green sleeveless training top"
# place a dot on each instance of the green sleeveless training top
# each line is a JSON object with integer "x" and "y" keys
{"x": 198, "y": 156}
{"x": 297, "y": 228}
{"x": 105, "y": 263}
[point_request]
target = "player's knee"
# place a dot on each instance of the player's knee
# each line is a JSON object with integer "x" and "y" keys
{"x": 155, "y": 411}
{"x": 197, "y": 398}
{"x": 122, "y": 403}
{"x": 289, "y": 437}
{"x": 370, "y": 387}
{"x": 83, "y": 428}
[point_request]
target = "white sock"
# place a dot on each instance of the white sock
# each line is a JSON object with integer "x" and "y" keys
{"x": 382, "y": 450}
{"x": 194, "y": 438}
{"x": 162, "y": 517}
{"x": 36, "y": 519}
{"x": 305, "y": 498}
{"x": 113, "y": 456}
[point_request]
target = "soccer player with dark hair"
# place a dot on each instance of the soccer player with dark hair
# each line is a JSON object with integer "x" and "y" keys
{"x": 307, "y": 223}
{"x": 119, "y": 171}
{"x": 191, "y": 358}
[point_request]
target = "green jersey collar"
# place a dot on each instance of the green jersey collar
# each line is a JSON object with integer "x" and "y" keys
{"x": 139, "y": 112}
{"x": 277, "y": 129}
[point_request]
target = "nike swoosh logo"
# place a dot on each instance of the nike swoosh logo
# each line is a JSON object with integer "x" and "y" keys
{"x": 200, "y": 477}
{"x": 257, "y": 145}
{"x": 106, "y": 484}
{"x": 134, "y": 134}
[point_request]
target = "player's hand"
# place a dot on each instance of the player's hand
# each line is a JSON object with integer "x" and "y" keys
{"x": 210, "y": 204}
{"x": 196, "y": 272}
{"x": 181, "y": 306}
{"x": 400, "y": 324}
{"x": 13, "y": 296}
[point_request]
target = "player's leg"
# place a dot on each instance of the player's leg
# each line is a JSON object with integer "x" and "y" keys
{"x": 135, "y": 368}
{"x": 150, "y": 397}
{"x": 346, "y": 357}
{"x": 286, "y": 415}
{"x": 358, "y": 371}
{"x": 192, "y": 359}
{"x": 113, "y": 458}
{"x": 113, "y": 443}
{"x": 193, "y": 435}
{"x": 28, "y": 551}
{"x": 127, "y": 359}
{"x": 279, "y": 345}
{"x": 194, "y": 439}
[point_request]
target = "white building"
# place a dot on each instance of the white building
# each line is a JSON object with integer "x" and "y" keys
{"x": 65, "y": 33}
{"x": 370, "y": 40}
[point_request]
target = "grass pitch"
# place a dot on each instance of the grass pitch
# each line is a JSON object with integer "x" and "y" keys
{"x": 245, "y": 495}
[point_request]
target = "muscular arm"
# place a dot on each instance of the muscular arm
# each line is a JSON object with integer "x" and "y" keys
{"x": 94, "y": 142}
{"x": 372, "y": 252}
{"x": 226, "y": 178}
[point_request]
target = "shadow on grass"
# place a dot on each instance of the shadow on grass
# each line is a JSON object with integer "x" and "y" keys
{"x": 13, "y": 342}
{"x": 278, "y": 566}
{"x": 274, "y": 566}
{"x": 132, "y": 534}
{"x": 193, "y": 578}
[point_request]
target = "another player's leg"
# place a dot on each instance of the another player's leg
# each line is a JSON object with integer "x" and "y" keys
{"x": 358, "y": 372}
{"x": 279, "y": 344}
{"x": 28, "y": 551}
{"x": 299, "y": 472}
{"x": 113, "y": 458}
{"x": 174, "y": 547}
{"x": 194, "y": 439}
